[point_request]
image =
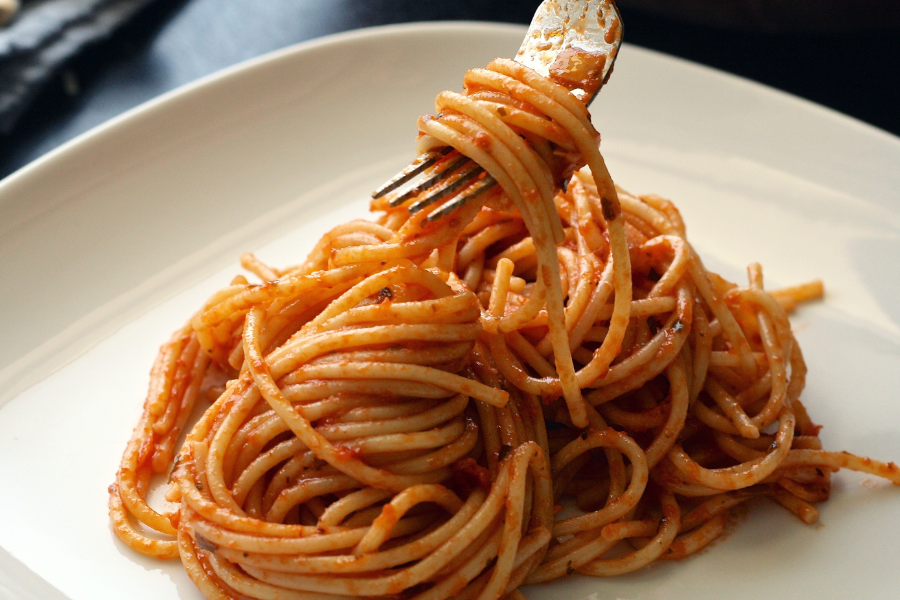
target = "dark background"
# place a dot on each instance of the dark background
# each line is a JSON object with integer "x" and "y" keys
{"x": 855, "y": 70}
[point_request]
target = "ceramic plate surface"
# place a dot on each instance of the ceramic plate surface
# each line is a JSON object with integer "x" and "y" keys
{"x": 109, "y": 243}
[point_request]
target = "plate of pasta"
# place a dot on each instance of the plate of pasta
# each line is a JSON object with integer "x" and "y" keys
{"x": 347, "y": 399}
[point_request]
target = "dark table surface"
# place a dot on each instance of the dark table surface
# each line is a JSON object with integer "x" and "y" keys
{"x": 174, "y": 42}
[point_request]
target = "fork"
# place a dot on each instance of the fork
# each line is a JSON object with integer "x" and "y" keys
{"x": 592, "y": 29}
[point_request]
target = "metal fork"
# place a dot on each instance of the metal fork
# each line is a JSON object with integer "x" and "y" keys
{"x": 592, "y": 29}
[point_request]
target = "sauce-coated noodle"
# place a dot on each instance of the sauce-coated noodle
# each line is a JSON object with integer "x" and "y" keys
{"x": 408, "y": 411}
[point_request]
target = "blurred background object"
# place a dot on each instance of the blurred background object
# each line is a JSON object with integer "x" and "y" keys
{"x": 46, "y": 36}
{"x": 69, "y": 65}
{"x": 8, "y": 8}
{"x": 777, "y": 16}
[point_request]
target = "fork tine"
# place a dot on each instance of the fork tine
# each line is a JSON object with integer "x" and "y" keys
{"x": 421, "y": 163}
{"x": 448, "y": 186}
{"x": 441, "y": 170}
{"x": 470, "y": 193}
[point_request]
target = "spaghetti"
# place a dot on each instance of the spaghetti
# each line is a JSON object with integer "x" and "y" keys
{"x": 547, "y": 383}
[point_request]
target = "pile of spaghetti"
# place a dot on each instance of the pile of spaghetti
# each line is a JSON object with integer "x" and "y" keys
{"x": 545, "y": 382}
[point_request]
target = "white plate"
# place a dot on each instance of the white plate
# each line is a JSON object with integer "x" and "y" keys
{"x": 110, "y": 242}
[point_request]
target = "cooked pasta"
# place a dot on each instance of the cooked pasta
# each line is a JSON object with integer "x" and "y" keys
{"x": 546, "y": 382}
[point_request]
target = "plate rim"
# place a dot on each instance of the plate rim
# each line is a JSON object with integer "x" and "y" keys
{"x": 160, "y": 101}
